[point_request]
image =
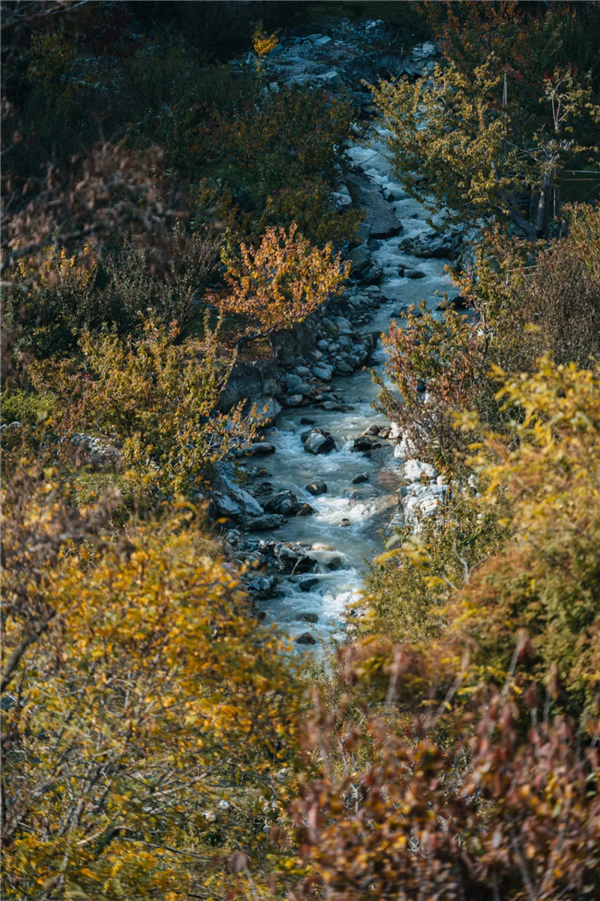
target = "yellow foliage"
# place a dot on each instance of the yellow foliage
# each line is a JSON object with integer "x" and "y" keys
{"x": 263, "y": 43}
{"x": 143, "y": 724}
{"x": 282, "y": 281}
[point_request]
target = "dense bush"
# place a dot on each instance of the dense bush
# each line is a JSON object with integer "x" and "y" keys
{"x": 144, "y": 709}
{"x": 156, "y": 400}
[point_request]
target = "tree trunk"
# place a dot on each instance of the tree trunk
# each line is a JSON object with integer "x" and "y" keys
{"x": 541, "y": 222}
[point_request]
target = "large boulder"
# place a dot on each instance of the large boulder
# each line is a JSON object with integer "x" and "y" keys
{"x": 284, "y": 502}
{"x": 316, "y": 488}
{"x": 319, "y": 441}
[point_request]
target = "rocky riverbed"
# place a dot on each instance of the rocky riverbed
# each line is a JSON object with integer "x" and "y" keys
{"x": 315, "y": 497}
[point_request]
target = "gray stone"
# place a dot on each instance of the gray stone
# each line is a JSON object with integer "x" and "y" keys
{"x": 306, "y": 638}
{"x": 308, "y": 584}
{"x": 263, "y": 523}
{"x": 343, "y": 325}
{"x": 227, "y": 506}
{"x": 319, "y": 441}
{"x": 284, "y": 502}
{"x": 343, "y": 368}
{"x": 249, "y": 504}
{"x": 316, "y": 488}
{"x": 292, "y": 381}
{"x": 323, "y": 372}
{"x": 260, "y": 449}
{"x": 365, "y": 443}
{"x": 309, "y": 618}
{"x": 335, "y": 562}
{"x": 293, "y": 400}
{"x": 360, "y": 478}
{"x": 267, "y": 409}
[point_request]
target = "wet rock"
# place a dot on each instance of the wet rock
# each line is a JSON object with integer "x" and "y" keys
{"x": 333, "y": 406}
{"x": 343, "y": 325}
{"x": 323, "y": 373}
{"x": 305, "y": 510}
{"x": 284, "y": 502}
{"x": 308, "y": 584}
{"x": 292, "y": 382}
{"x": 244, "y": 499}
{"x": 385, "y": 224}
{"x": 336, "y": 562}
{"x": 260, "y": 449}
{"x": 360, "y": 478}
{"x": 307, "y": 421}
{"x": 319, "y": 441}
{"x": 371, "y": 276}
{"x": 343, "y": 368}
{"x": 434, "y": 246}
{"x": 345, "y": 522}
{"x": 316, "y": 488}
{"x": 309, "y": 618}
{"x": 365, "y": 443}
{"x": 411, "y": 273}
{"x": 267, "y": 409}
{"x": 287, "y": 558}
{"x": 306, "y": 638}
{"x": 263, "y": 523}
{"x": 360, "y": 260}
{"x": 293, "y": 400}
{"x": 227, "y": 506}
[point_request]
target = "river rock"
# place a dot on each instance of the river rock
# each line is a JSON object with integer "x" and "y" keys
{"x": 323, "y": 372}
{"x": 365, "y": 443}
{"x": 385, "y": 224}
{"x": 343, "y": 368}
{"x": 360, "y": 259}
{"x": 293, "y": 400}
{"x": 263, "y": 523}
{"x": 284, "y": 502}
{"x": 343, "y": 325}
{"x": 411, "y": 273}
{"x": 306, "y": 638}
{"x": 319, "y": 441}
{"x": 316, "y": 488}
{"x": 371, "y": 275}
{"x": 305, "y": 510}
{"x": 227, "y": 506}
{"x": 336, "y": 562}
{"x": 292, "y": 381}
{"x": 333, "y": 406}
{"x": 249, "y": 504}
{"x": 260, "y": 449}
{"x": 309, "y": 618}
{"x": 360, "y": 478}
{"x": 308, "y": 584}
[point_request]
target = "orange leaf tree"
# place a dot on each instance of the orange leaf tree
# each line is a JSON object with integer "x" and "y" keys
{"x": 280, "y": 282}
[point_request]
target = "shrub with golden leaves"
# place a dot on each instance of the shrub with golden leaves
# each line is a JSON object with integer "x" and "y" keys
{"x": 145, "y": 711}
{"x": 280, "y": 282}
{"x": 155, "y": 399}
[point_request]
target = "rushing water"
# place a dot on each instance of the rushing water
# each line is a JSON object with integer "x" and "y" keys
{"x": 369, "y": 505}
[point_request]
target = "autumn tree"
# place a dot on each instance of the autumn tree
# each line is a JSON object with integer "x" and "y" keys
{"x": 280, "y": 282}
{"x": 511, "y": 109}
{"x": 155, "y": 400}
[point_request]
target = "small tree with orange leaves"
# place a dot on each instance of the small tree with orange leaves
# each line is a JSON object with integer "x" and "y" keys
{"x": 280, "y": 282}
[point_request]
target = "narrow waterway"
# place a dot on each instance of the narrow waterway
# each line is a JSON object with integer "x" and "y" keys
{"x": 345, "y": 529}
